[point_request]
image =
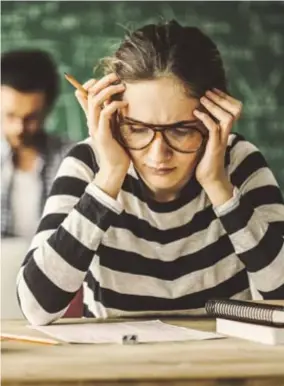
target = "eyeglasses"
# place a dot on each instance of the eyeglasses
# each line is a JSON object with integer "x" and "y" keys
{"x": 183, "y": 136}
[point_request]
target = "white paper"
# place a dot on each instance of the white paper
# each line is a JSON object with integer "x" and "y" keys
{"x": 146, "y": 331}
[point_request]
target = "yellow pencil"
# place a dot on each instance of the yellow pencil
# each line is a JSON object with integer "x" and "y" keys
{"x": 28, "y": 339}
{"x": 76, "y": 84}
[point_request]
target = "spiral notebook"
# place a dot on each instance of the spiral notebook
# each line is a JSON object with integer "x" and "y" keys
{"x": 259, "y": 322}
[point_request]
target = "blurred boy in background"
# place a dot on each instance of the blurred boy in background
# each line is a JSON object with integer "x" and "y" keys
{"x": 29, "y": 155}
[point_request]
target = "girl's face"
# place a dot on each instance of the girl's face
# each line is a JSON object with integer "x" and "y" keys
{"x": 164, "y": 170}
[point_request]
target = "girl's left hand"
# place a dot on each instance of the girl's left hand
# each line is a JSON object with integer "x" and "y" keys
{"x": 226, "y": 110}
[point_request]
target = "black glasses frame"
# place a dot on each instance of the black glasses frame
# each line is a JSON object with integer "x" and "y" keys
{"x": 196, "y": 125}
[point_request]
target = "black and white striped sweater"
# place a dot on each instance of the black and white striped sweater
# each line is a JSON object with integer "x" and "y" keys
{"x": 136, "y": 256}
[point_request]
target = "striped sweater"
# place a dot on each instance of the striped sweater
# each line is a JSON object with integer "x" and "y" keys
{"x": 135, "y": 256}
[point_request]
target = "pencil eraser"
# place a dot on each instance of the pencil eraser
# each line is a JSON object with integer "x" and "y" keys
{"x": 130, "y": 339}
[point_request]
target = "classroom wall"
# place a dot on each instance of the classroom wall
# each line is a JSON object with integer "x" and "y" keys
{"x": 248, "y": 34}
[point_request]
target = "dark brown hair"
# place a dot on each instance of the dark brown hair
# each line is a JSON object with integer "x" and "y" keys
{"x": 169, "y": 49}
{"x": 31, "y": 70}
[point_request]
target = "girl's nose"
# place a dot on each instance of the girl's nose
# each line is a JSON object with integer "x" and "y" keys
{"x": 158, "y": 150}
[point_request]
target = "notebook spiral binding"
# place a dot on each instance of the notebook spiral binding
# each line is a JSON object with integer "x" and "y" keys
{"x": 242, "y": 311}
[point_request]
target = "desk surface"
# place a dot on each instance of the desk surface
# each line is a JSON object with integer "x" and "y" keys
{"x": 223, "y": 362}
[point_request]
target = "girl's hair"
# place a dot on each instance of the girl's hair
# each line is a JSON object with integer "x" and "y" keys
{"x": 169, "y": 50}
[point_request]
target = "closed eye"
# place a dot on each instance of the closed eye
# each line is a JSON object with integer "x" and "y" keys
{"x": 138, "y": 129}
{"x": 183, "y": 131}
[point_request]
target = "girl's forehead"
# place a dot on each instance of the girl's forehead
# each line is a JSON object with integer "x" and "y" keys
{"x": 158, "y": 101}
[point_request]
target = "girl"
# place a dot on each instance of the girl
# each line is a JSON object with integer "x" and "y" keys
{"x": 162, "y": 207}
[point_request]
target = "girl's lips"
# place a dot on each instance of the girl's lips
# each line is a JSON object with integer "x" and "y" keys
{"x": 160, "y": 171}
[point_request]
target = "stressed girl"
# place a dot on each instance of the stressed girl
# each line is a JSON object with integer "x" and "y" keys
{"x": 163, "y": 206}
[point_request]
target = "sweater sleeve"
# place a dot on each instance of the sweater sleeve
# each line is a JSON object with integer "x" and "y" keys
{"x": 254, "y": 219}
{"x": 75, "y": 217}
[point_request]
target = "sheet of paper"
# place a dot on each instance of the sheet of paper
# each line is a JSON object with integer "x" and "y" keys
{"x": 146, "y": 331}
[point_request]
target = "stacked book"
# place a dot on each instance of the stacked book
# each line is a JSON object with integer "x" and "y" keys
{"x": 259, "y": 322}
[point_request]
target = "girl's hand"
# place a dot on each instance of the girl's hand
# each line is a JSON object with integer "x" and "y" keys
{"x": 99, "y": 110}
{"x": 211, "y": 169}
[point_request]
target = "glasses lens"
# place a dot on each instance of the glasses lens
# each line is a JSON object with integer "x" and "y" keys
{"x": 185, "y": 139}
{"x": 135, "y": 136}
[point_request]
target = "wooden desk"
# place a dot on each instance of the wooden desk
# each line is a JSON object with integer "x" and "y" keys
{"x": 223, "y": 362}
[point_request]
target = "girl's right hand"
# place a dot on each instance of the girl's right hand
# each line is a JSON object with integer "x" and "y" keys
{"x": 99, "y": 110}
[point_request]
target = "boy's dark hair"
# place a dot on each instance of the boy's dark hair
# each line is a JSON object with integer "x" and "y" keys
{"x": 31, "y": 70}
{"x": 169, "y": 49}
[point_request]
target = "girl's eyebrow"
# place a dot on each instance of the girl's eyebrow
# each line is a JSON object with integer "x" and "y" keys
{"x": 185, "y": 122}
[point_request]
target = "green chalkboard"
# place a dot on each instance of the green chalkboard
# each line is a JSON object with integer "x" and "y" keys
{"x": 250, "y": 36}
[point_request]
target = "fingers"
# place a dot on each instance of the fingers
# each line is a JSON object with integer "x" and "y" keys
{"x": 103, "y": 83}
{"x": 232, "y": 105}
{"x": 99, "y": 95}
{"x": 224, "y": 108}
{"x": 226, "y": 96}
{"x": 94, "y": 86}
{"x": 225, "y": 118}
{"x": 97, "y": 101}
{"x": 105, "y": 116}
{"x": 82, "y": 101}
{"x": 105, "y": 94}
{"x": 81, "y": 97}
{"x": 213, "y": 128}
{"x": 87, "y": 85}
{"x": 107, "y": 113}
{"x": 109, "y": 110}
